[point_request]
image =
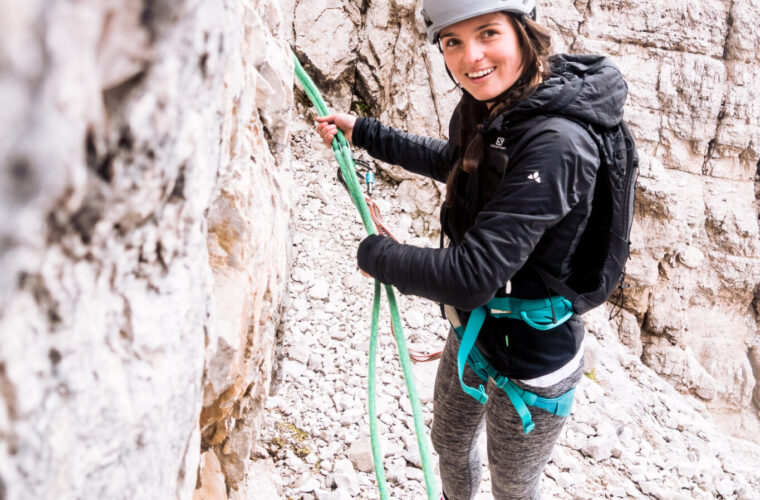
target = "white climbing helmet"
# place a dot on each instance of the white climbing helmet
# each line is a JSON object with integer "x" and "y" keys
{"x": 441, "y": 13}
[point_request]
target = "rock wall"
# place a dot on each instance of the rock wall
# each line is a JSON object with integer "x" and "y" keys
{"x": 691, "y": 311}
{"x": 692, "y": 74}
{"x": 144, "y": 213}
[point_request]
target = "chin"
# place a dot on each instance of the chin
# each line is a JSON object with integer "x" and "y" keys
{"x": 482, "y": 95}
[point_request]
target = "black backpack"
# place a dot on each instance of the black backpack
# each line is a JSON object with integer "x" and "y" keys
{"x": 599, "y": 262}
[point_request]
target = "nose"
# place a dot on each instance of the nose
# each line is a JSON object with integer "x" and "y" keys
{"x": 473, "y": 52}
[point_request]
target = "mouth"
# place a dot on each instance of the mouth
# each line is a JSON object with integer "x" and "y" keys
{"x": 479, "y": 75}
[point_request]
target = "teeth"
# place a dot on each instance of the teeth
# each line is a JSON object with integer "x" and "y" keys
{"x": 480, "y": 73}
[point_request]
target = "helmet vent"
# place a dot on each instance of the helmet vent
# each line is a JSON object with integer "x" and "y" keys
{"x": 428, "y": 21}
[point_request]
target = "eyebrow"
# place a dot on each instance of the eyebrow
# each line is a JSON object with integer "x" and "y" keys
{"x": 449, "y": 33}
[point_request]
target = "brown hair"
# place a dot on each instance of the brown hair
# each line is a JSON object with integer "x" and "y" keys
{"x": 535, "y": 44}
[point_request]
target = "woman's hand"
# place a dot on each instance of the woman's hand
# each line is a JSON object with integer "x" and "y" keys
{"x": 327, "y": 126}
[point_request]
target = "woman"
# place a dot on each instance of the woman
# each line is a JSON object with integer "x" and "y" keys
{"x": 520, "y": 168}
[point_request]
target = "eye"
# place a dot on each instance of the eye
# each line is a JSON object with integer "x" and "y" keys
{"x": 450, "y": 42}
{"x": 490, "y": 33}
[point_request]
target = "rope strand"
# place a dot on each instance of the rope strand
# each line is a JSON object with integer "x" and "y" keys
{"x": 348, "y": 170}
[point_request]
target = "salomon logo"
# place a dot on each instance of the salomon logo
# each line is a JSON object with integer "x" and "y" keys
{"x": 499, "y": 144}
{"x": 535, "y": 177}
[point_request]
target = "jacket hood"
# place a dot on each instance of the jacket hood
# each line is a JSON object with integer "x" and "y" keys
{"x": 586, "y": 87}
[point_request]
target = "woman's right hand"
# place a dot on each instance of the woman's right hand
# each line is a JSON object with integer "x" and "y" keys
{"x": 327, "y": 126}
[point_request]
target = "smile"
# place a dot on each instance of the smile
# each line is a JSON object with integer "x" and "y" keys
{"x": 480, "y": 74}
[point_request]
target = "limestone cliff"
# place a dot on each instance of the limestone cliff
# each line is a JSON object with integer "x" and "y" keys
{"x": 144, "y": 225}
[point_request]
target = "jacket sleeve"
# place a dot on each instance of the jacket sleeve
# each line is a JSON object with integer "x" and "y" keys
{"x": 422, "y": 155}
{"x": 545, "y": 179}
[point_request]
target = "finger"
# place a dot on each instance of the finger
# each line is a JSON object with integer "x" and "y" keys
{"x": 328, "y": 118}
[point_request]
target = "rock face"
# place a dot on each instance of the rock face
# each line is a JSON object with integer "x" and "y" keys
{"x": 696, "y": 248}
{"x": 691, "y": 311}
{"x": 144, "y": 208}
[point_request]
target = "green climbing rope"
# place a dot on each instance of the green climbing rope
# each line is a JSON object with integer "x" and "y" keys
{"x": 374, "y": 433}
{"x": 345, "y": 159}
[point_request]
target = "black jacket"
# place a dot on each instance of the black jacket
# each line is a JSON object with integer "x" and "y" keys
{"x": 525, "y": 206}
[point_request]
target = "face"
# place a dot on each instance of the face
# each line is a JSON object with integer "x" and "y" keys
{"x": 483, "y": 54}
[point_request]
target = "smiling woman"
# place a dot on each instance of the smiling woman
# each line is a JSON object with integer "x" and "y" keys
{"x": 520, "y": 168}
{"x": 483, "y": 54}
{"x": 513, "y": 50}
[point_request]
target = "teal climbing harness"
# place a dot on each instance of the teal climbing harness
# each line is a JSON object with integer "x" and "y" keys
{"x": 348, "y": 173}
{"x": 541, "y": 314}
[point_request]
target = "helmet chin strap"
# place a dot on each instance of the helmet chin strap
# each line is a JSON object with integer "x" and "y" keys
{"x": 448, "y": 72}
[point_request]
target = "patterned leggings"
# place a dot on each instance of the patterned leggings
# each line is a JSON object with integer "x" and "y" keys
{"x": 516, "y": 460}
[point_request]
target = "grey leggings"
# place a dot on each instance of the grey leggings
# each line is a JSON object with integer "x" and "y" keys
{"x": 516, "y": 460}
